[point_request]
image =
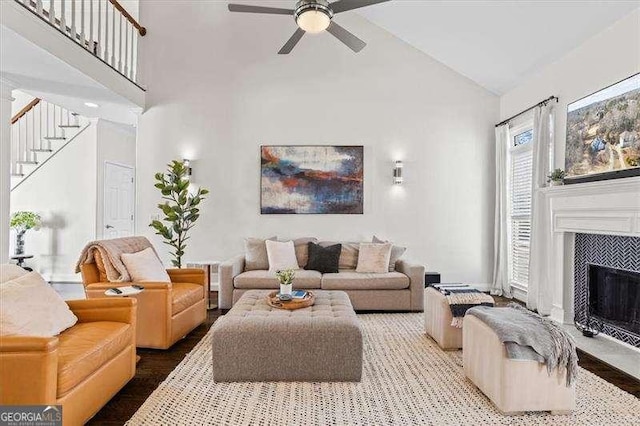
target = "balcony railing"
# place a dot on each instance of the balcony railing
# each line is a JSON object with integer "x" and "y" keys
{"x": 103, "y": 27}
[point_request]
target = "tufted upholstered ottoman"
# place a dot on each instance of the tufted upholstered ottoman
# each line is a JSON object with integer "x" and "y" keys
{"x": 254, "y": 342}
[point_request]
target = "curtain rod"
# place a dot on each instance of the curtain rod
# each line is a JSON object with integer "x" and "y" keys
{"x": 544, "y": 102}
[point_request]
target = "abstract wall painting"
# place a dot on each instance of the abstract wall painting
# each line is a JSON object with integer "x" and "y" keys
{"x": 312, "y": 179}
{"x": 603, "y": 133}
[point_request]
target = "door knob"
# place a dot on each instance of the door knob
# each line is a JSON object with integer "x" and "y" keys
{"x": 108, "y": 226}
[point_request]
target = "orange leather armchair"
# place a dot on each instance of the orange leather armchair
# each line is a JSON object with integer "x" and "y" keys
{"x": 166, "y": 311}
{"x": 80, "y": 369}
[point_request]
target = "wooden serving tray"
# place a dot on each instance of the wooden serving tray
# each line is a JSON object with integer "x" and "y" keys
{"x": 290, "y": 305}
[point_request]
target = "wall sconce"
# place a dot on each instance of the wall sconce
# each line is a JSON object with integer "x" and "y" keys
{"x": 397, "y": 173}
{"x": 187, "y": 163}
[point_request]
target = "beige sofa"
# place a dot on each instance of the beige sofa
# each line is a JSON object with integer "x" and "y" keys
{"x": 401, "y": 290}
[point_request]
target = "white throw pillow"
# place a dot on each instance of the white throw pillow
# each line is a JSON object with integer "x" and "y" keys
{"x": 374, "y": 258}
{"x": 144, "y": 266}
{"x": 30, "y": 307}
{"x": 282, "y": 255}
{"x": 9, "y": 271}
{"x": 396, "y": 252}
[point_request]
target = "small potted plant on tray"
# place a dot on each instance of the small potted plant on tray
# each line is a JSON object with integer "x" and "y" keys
{"x": 556, "y": 177}
{"x": 285, "y": 278}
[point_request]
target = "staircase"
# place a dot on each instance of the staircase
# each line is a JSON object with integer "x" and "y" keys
{"x": 38, "y": 132}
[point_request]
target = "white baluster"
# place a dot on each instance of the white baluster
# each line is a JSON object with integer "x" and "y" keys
{"x": 126, "y": 48}
{"x": 120, "y": 43}
{"x": 133, "y": 31}
{"x": 33, "y": 132}
{"x": 39, "y": 7}
{"x": 106, "y": 31}
{"x": 91, "y": 26}
{"x": 74, "y": 33}
{"x": 134, "y": 63}
{"x": 40, "y": 125}
{"x": 52, "y": 12}
{"x": 113, "y": 36}
{"x": 20, "y": 154}
{"x": 63, "y": 21}
{"x": 99, "y": 27}
{"x": 83, "y": 39}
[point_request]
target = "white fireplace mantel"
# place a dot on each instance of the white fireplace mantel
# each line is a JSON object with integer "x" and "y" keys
{"x": 610, "y": 207}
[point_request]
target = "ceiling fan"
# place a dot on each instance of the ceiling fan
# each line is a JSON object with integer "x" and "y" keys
{"x": 314, "y": 16}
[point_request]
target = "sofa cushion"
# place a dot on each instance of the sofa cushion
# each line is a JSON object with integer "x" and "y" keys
{"x": 374, "y": 258}
{"x": 352, "y": 280}
{"x": 31, "y": 307}
{"x": 9, "y": 271}
{"x": 302, "y": 249}
{"x": 145, "y": 266}
{"x": 268, "y": 280}
{"x": 282, "y": 255}
{"x": 396, "y": 252}
{"x": 184, "y": 295}
{"x": 324, "y": 259}
{"x": 86, "y": 347}
{"x": 348, "y": 253}
{"x": 255, "y": 253}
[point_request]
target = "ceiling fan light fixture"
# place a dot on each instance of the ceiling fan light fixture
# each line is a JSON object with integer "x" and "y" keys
{"x": 313, "y": 16}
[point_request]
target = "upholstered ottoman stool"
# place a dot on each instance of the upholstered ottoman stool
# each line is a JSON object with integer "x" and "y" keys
{"x": 437, "y": 320}
{"x": 514, "y": 386}
{"x": 254, "y": 342}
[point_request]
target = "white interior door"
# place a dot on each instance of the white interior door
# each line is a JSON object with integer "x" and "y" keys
{"x": 119, "y": 200}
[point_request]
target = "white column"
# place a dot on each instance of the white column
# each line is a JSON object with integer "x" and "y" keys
{"x": 5, "y": 166}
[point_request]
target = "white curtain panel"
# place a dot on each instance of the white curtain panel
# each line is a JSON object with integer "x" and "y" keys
{"x": 540, "y": 290}
{"x": 500, "y": 284}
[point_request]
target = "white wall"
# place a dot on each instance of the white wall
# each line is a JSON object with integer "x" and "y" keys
{"x": 20, "y": 100}
{"x": 608, "y": 57}
{"x": 63, "y": 192}
{"x": 217, "y": 90}
{"x": 116, "y": 144}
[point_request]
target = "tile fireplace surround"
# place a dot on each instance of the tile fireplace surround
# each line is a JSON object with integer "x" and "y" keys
{"x": 610, "y": 207}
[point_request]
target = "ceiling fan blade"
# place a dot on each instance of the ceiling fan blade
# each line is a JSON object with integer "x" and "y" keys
{"x": 291, "y": 43}
{"x": 259, "y": 9}
{"x": 353, "y": 42}
{"x": 345, "y": 5}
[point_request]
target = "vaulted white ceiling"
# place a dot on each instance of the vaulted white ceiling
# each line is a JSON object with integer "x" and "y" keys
{"x": 497, "y": 44}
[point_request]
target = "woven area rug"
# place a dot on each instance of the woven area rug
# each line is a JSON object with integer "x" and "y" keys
{"x": 407, "y": 380}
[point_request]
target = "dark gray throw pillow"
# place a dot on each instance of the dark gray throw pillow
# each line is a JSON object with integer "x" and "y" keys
{"x": 324, "y": 259}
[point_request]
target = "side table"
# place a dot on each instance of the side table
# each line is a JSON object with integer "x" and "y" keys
{"x": 127, "y": 291}
{"x": 210, "y": 267}
{"x": 20, "y": 258}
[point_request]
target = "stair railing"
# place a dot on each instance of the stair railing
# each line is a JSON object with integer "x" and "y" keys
{"x": 34, "y": 130}
{"x": 102, "y": 27}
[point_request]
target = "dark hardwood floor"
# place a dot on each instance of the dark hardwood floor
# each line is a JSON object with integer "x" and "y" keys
{"x": 155, "y": 366}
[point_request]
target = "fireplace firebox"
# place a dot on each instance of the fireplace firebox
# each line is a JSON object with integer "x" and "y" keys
{"x": 614, "y": 296}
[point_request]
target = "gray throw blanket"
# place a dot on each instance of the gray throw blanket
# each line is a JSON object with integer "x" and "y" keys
{"x": 527, "y": 335}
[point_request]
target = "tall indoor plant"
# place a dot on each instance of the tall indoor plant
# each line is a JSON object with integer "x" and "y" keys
{"x": 180, "y": 208}
{"x": 22, "y": 222}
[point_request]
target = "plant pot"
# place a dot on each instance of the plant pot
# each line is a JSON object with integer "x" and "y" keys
{"x": 19, "y": 243}
{"x": 556, "y": 183}
{"x": 286, "y": 288}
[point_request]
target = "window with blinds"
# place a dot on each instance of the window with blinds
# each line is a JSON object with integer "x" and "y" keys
{"x": 520, "y": 185}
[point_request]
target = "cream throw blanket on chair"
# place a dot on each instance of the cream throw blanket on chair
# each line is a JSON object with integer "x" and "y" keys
{"x": 111, "y": 252}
